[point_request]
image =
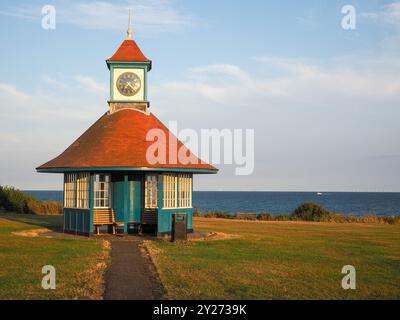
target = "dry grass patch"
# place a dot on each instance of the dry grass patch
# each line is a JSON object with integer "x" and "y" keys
{"x": 31, "y": 233}
{"x": 93, "y": 278}
{"x": 212, "y": 236}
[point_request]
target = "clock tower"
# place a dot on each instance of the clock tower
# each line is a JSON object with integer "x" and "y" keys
{"x": 128, "y": 76}
{"x": 112, "y": 178}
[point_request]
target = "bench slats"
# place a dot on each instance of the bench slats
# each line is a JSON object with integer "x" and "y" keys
{"x": 104, "y": 217}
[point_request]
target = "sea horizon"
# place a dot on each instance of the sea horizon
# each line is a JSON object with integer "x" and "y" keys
{"x": 280, "y": 202}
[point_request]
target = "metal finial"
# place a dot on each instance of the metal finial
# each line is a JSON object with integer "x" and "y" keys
{"x": 129, "y": 32}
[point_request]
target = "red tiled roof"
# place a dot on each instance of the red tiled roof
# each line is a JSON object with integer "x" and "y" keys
{"x": 119, "y": 140}
{"x": 129, "y": 51}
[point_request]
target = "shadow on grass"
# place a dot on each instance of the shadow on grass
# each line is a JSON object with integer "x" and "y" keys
{"x": 53, "y": 222}
{"x": 55, "y": 225}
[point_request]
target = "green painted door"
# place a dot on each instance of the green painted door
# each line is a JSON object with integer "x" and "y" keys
{"x": 134, "y": 202}
{"x": 118, "y": 198}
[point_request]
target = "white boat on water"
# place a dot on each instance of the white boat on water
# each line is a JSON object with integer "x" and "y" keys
{"x": 319, "y": 193}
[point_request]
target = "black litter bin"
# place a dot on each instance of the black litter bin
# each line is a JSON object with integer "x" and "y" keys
{"x": 179, "y": 226}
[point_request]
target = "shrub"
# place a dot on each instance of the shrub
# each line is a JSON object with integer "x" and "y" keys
{"x": 305, "y": 212}
{"x": 379, "y": 219}
{"x": 311, "y": 212}
{"x": 282, "y": 217}
{"x": 352, "y": 219}
{"x": 370, "y": 218}
{"x": 219, "y": 214}
{"x": 48, "y": 207}
{"x": 338, "y": 218}
{"x": 198, "y": 213}
{"x": 391, "y": 219}
{"x": 246, "y": 216}
{"x": 265, "y": 216}
{"x": 12, "y": 199}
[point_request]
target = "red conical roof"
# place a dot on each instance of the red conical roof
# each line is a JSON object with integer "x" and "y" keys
{"x": 129, "y": 51}
{"x": 118, "y": 140}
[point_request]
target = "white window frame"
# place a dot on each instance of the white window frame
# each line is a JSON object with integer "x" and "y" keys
{"x": 151, "y": 191}
{"x": 170, "y": 194}
{"x": 99, "y": 187}
{"x": 185, "y": 181}
{"x": 82, "y": 190}
{"x": 177, "y": 190}
{"x": 70, "y": 190}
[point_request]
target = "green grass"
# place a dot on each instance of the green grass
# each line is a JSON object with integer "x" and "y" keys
{"x": 77, "y": 262}
{"x": 282, "y": 260}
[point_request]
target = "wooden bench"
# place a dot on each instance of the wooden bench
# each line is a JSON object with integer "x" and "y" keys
{"x": 104, "y": 217}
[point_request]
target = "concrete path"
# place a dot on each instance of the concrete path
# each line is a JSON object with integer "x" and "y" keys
{"x": 131, "y": 275}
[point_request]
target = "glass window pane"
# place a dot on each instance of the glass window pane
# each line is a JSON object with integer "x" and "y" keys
{"x": 102, "y": 190}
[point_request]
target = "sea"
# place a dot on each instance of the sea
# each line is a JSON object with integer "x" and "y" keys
{"x": 348, "y": 203}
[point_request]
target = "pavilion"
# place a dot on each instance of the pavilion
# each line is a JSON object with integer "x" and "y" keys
{"x": 110, "y": 182}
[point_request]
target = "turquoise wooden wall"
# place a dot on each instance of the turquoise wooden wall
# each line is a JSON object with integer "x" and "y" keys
{"x": 165, "y": 215}
{"x": 165, "y": 219}
{"x": 77, "y": 220}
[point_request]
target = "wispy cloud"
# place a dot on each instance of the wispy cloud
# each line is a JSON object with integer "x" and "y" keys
{"x": 308, "y": 18}
{"x": 83, "y": 83}
{"x": 308, "y": 112}
{"x": 35, "y": 107}
{"x": 314, "y": 120}
{"x": 53, "y": 81}
{"x": 294, "y": 66}
{"x": 12, "y": 92}
{"x": 36, "y": 126}
{"x": 62, "y": 101}
{"x": 389, "y": 15}
{"x": 149, "y": 16}
{"x": 91, "y": 84}
{"x": 295, "y": 80}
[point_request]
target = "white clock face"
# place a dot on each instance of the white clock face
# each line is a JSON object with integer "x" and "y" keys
{"x": 128, "y": 84}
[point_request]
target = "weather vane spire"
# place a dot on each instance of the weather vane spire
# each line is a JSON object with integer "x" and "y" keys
{"x": 129, "y": 32}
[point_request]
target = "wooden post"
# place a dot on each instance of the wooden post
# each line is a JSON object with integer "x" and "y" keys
{"x": 91, "y": 205}
{"x": 126, "y": 202}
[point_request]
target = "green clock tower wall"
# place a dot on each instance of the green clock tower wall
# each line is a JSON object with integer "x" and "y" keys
{"x": 134, "y": 67}
{"x": 129, "y": 69}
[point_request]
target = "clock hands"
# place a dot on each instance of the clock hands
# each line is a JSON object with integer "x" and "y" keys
{"x": 128, "y": 84}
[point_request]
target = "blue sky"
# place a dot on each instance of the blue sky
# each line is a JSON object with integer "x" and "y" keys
{"x": 323, "y": 101}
